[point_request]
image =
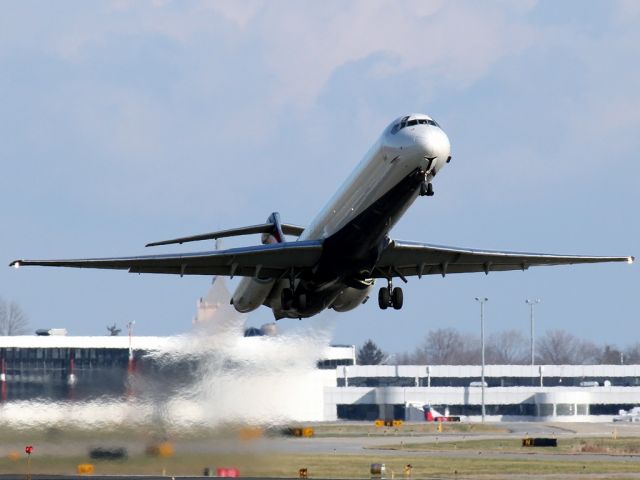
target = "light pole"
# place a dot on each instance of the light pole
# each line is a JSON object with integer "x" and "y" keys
{"x": 482, "y": 302}
{"x": 532, "y": 303}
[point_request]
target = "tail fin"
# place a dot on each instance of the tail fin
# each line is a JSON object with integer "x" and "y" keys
{"x": 276, "y": 235}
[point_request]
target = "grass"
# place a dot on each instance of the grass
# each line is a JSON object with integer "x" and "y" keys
{"x": 322, "y": 466}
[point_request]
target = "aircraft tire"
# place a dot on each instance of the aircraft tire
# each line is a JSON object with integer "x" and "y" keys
{"x": 429, "y": 192}
{"x": 302, "y": 302}
{"x": 286, "y": 299}
{"x": 397, "y": 298}
{"x": 383, "y": 298}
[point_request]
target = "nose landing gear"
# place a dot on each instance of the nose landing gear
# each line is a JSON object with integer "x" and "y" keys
{"x": 390, "y": 297}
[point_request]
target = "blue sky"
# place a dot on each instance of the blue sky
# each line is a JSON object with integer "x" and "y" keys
{"x": 127, "y": 122}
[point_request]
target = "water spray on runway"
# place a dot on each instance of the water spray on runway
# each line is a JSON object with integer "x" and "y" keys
{"x": 260, "y": 380}
{"x": 213, "y": 376}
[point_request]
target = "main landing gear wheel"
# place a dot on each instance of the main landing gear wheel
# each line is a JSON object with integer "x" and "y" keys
{"x": 301, "y": 301}
{"x": 390, "y": 297}
{"x": 384, "y": 298}
{"x": 397, "y": 298}
{"x": 286, "y": 298}
{"x": 426, "y": 189}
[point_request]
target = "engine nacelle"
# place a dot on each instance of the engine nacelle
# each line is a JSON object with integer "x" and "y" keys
{"x": 251, "y": 293}
{"x": 350, "y": 298}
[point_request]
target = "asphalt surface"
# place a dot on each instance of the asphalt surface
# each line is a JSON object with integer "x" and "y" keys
{"x": 359, "y": 445}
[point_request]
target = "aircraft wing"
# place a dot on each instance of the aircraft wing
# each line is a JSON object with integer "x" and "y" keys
{"x": 402, "y": 259}
{"x": 266, "y": 261}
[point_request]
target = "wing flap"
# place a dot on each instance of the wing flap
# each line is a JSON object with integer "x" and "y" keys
{"x": 264, "y": 260}
{"x": 409, "y": 258}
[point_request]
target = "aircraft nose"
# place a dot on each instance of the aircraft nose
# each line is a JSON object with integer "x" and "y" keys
{"x": 433, "y": 142}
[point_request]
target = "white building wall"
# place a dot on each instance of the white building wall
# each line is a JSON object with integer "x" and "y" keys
{"x": 467, "y": 395}
{"x": 473, "y": 371}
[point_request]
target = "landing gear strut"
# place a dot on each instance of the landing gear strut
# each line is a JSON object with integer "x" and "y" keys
{"x": 390, "y": 297}
{"x": 426, "y": 188}
{"x": 288, "y": 299}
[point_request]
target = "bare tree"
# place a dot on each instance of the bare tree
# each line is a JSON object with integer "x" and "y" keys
{"x": 611, "y": 355}
{"x": 13, "y": 320}
{"x": 113, "y": 330}
{"x": 559, "y": 347}
{"x": 446, "y": 346}
{"x": 443, "y": 346}
{"x": 506, "y": 348}
{"x": 632, "y": 354}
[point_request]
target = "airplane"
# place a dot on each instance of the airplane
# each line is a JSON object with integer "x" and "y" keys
{"x": 336, "y": 260}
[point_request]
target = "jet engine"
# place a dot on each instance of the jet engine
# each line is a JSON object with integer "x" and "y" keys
{"x": 350, "y": 298}
{"x": 251, "y": 293}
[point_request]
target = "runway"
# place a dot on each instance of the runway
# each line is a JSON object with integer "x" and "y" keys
{"x": 348, "y": 455}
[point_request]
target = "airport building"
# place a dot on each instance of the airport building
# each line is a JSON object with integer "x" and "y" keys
{"x": 512, "y": 392}
{"x": 61, "y": 367}
{"x": 75, "y": 369}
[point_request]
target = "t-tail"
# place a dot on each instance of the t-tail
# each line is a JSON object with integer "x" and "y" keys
{"x": 273, "y": 231}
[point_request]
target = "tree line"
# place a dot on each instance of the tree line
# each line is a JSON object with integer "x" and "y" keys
{"x": 449, "y": 346}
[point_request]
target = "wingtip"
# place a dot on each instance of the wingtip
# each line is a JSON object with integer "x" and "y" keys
{"x": 163, "y": 242}
{"x": 15, "y": 263}
{"x": 155, "y": 244}
{"x": 630, "y": 260}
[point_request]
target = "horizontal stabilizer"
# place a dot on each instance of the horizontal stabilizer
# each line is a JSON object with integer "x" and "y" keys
{"x": 287, "y": 229}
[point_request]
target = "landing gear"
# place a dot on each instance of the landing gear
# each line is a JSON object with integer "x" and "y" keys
{"x": 426, "y": 189}
{"x": 390, "y": 297}
{"x": 384, "y": 298}
{"x": 288, "y": 300}
{"x": 301, "y": 301}
{"x": 397, "y": 299}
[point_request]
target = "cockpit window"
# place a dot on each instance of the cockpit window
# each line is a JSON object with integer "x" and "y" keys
{"x": 405, "y": 122}
{"x": 399, "y": 126}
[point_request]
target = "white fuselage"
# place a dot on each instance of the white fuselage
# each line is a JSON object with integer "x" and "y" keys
{"x": 389, "y": 160}
{"x": 407, "y": 144}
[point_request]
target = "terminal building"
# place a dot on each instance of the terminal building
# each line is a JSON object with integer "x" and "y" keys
{"x": 62, "y": 368}
{"x": 512, "y": 392}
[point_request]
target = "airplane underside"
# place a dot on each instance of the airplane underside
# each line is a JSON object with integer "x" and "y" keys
{"x": 343, "y": 277}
